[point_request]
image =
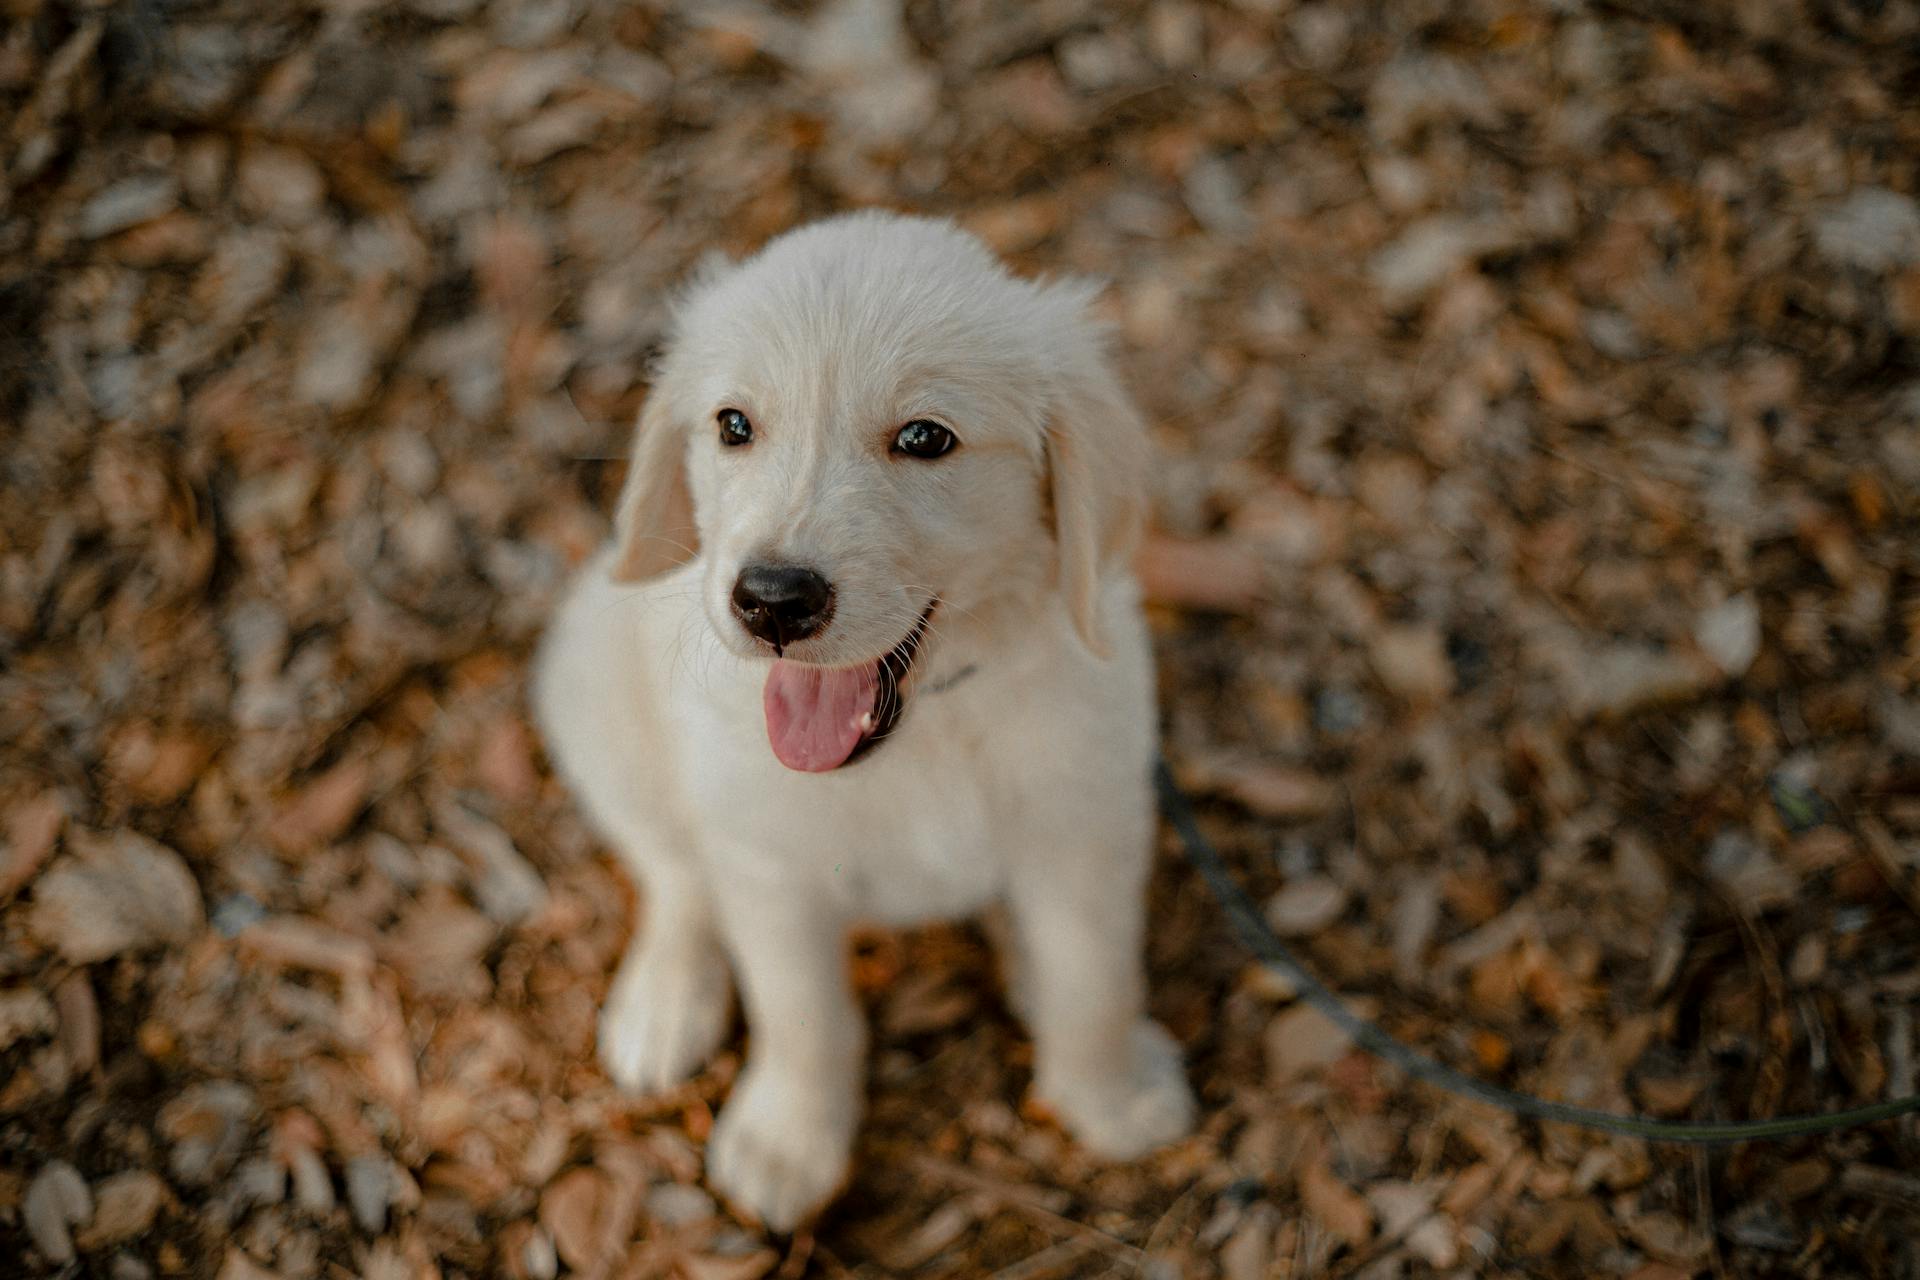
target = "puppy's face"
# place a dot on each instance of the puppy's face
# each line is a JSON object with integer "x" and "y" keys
{"x": 859, "y": 460}
{"x": 869, "y": 407}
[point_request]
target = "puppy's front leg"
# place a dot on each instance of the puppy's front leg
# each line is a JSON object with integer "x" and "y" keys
{"x": 668, "y": 1008}
{"x": 1077, "y": 916}
{"x": 782, "y": 1145}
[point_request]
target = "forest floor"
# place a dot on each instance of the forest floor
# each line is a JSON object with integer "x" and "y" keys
{"x": 1535, "y": 574}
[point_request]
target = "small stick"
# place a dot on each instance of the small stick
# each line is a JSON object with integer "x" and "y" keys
{"x": 1022, "y": 1198}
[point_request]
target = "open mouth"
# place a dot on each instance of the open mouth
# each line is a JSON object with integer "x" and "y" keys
{"x": 820, "y": 718}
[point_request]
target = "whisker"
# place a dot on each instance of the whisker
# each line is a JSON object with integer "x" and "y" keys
{"x": 686, "y": 549}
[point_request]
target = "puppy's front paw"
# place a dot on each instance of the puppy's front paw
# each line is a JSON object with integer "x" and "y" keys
{"x": 664, "y": 1017}
{"x": 1140, "y": 1104}
{"x": 780, "y": 1149}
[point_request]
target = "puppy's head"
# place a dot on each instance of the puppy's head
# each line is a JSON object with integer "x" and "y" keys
{"x": 871, "y": 428}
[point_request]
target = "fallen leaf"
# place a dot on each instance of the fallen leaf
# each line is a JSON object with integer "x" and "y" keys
{"x": 24, "y": 1012}
{"x": 124, "y": 1207}
{"x": 57, "y": 1200}
{"x": 749, "y": 1266}
{"x": 322, "y": 809}
{"x": 1302, "y": 1038}
{"x": 569, "y": 1209}
{"x": 32, "y": 828}
{"x": 79, "y": 1020}
{"x": 1669, "y": 1238}
{"x": 1729, "y": 633}
{"x": 1211, "y": 574}
{"x": 238, "y": 1266}
{"x": 117, "y": 892}
{"x": 504, "y": 764}
{"x": 1412, "y": 662}
{"x": 507, "y": 885}
{"x": 1335, "y": 1205}
{"x": 1248, "y": 1253}
{"x": 1278, "y": 791}
{"x": 307, "y": 944}
{"x": 1306, "y": 906}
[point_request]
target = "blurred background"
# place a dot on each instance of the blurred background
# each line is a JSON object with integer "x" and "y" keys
{"x": 1536, "y": 575}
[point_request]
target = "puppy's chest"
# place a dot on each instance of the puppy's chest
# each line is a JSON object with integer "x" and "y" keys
{"x": 930, "y": 829}
{"x": 923, "y": 829}
{"x": 920, "y": 831}
{"x": 933, "y": 852}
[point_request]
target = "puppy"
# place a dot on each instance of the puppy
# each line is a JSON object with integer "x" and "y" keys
{"x": 866, "y": 647}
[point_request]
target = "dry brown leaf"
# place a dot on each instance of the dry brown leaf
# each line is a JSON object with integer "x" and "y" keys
{"x": 1667, "y": 1096}
{"x": 1248, "y": 1253}
{"x": 1800, "y": 1179}
{"x": 1302, "y": 1038}
{"x": 1200, "y": 573}
{"x": 25, "y": 1012}
{"x": 1305, "y": 906}
{"x": 79, "y": 1021}
{"x": 117, "y": 891}
{"x": 1279, "y": 791}
{"x": 1468, "y": 1189}
{"x": 56, "y": 1201}
{"x": 324, "y": 808}
{"x": 570, "y": 1209}
{"x": 125, "y": 1206}
{"x": 1661, "y": 1271}
{"x": 437, "y": 945}
{"x": 158, "y": 766}
{"x": 1669, "y": 1238}
{"x": 307, "y": 944}
{"x": 748, "y": 1266}
{"x": 1335, "y": 1205}
{"x": 238, "y": 1266}
{"x": 33, "y": 826}
{"x": 1412, "y": 662}
{"x": 504, "y": 763}
{"x": 508, "y": 887}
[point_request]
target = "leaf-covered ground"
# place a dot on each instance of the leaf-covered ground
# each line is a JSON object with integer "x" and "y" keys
{"x": 1537, "y": 582}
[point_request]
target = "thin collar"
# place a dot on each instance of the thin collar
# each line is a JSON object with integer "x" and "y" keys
{"x": 942, "y": 686}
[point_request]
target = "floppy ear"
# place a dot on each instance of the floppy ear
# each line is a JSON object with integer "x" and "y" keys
{"x": 1096, "y": 461}
{"x": 653, "y": 527}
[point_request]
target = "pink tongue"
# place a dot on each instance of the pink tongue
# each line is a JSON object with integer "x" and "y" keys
{"x": 814, "y": 713}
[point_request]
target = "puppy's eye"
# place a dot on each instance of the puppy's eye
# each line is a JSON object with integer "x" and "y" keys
{"x": 734, "y": 428}
{"x": 923, "y": 439}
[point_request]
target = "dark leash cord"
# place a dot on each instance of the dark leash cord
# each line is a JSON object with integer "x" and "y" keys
{"x": 1251, "y": 926}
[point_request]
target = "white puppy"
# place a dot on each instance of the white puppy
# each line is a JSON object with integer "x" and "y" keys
{"x": 903, "y": 676}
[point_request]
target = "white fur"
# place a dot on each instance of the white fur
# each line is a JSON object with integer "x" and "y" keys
{"x": 1023, "y": 786}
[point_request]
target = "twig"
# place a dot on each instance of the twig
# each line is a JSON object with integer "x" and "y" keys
{"x": 1050, "y": 1261}
{"x": 1888, "y": 1186}
{"x": 836, "y": 1268}
{"x": 1774, "y": 1067}
{"x": 1360, "y": 1260}
{"x": 1023, "y": 1199}
{"x": 1880, "y": 847}
{"x": 1703, "y": 1192}
{"x": 800, "y": 1251}
{"x": 1161, "y": 1230}
{"x": 1900, "y": 1064}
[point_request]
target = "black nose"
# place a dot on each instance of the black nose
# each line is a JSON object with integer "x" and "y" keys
{"x": 781, "y": 604}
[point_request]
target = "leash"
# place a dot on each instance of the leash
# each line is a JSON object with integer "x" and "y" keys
{"x": 1251, "y": 926}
